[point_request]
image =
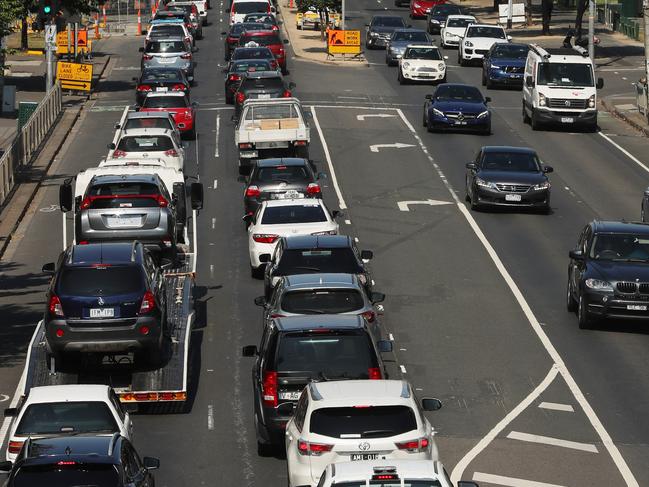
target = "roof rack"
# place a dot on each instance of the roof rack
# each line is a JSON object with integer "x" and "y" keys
{"x": 540, "y": 51}
{"x": 581, "y": 50}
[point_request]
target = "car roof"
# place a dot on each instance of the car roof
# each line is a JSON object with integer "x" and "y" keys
{"x": 321, "y": 280}
{"x": 506, "y": 148}
{"x": 408, "y": 469}
{"x": 102, "y": 253}
{"x": 349, "y": 393}
{"x": 606, "y": 226}
{"x": 146, "y": 131}
{"x": 311, "y": 322}
{"x": 502, "y": 45}
{"x": 81, "y": 448}
{"x": 487, "y": 25}
{"x": 283, "y": 161}
{"x": 131, "y": 115}
{"x": 70, "y": 392}
{"x": 293, "y": 202}
{"x": 318, "y": 242}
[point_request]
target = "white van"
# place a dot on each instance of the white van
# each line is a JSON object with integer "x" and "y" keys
{"x": 560, "y": 88}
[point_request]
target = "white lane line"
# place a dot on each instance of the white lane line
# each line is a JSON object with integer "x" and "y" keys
{"x": 625, "y": 152}
{"x": 548, "y": 440}
{"x": 559, "y": 364}
{"x": 348, "y": 222}
{"x": 555, "y": 406}
{"x": 218, "y": 129}
{"x": 509, "y": 481}
{"x": 216, "y": 183}
{"x": 391, "y": 337}
{"x": 210, "y": 417}
{"x": 403, "y": 369}
{"x": 213, "y": 223}
{"x": 325, "y": 147}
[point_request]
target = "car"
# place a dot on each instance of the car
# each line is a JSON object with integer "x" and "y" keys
{"x": 452, "y": 31}
{"x": 170, "y": 52}
{"x": 294, "y": 351}
{"x": 240, "y": 53}
{"x": 168, "y": 29}
{"x": 400, "y": 39}
{"x": 382, "y": 473}
{"x": 182, "y": 13}
{"x": 504, "y": 65}
{"x": 177, "y": 103}
{"x": 478, "y": 39}
{"x": 80, "y": 460}
{"x": 107, "y": 297}
{"x": 308, "y": 254}
{"x": 419, "y": 8}
{"x": 236, "y": 71}
{"x": 309, "y": 16}
{"x": 354, "y": 420}
{"x": 262, "y": 18}
{"x": 457, "y": 106}
{"x": 422, "y": 63}
{"x": 281, "y": 178}
{"x": 317, "y": 293}
{"x": 241, "y": 8}
{"x": 232, "y": 36}
{"x": 380, "y": 28}
{"x": 145, "y": 120}
{"x": 160, "y": 80}
{"x": 437, "y": 15}
{"x": 63, "y": 410}
{"x": 269, "y": 39}
{"x": 194, "y": 15}
{"x": 608, "y": 275}
{"x": 153, "y": 143}
{"x": 261, "y": 85}
{"x": 277, "y": 218}
{"x": 508, "y": 176}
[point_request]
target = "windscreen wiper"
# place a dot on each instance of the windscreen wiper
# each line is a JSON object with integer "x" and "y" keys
{"x": 374, "y": 433}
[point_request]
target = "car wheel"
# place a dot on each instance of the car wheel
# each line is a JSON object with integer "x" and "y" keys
{"x": 461, "y": 60}
{"x": 429, "y": 128}
{"x": 487, "y": 131}
{"x": 484, "y": 79}
{"x": 582, "y": 315}
{"x": 264, "y": 449}
{"x": 473, "y": 204}
{"x": 400, "y": 78}
{"x": 526, "y": 117}
{"x": 424, "y": 122}
{"x": 299, "y": 27}
{"x": 571, "y": 304}
{"x": 257, "y": 272}
{"x": 534, "y": 121}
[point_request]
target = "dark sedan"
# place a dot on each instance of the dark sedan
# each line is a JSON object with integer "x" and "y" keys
{"x": 261, "y": 85}
{"x": 437, "y": 15}
{"x": 160, "y": 80}
{"x": 380, "y": 28}
{"x": 504, "y": 64}
{"x": 236, "y": 70}
{"x": 232, "y": 37}
{"x": 459, "y": 107}
{"x": 508, "y": 176}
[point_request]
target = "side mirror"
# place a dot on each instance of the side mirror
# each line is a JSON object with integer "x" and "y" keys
{"x": 285, "y": 41}
{"x": 260, "y": 301}
{"x": 49, "y": 268}
{"x": 471, "y": 165}
{"x": 117, "y": 125}
{"x": 65, "y": 195}
{"x": 134, "y": 78}
{"x": 336, "y": 214}
{"x": 194, "y": 104}
{"x": 286, "y": 409}
{"x": 249, "y": 351}
{"x": 11, "y": 412}
{"x": 600, "y": 83}
{"x": 111, "y": 146}
{"x": 431, "y": 404}
{"x": 509, "y": 38}
{"x": 196, "y": 196}
{"x": 548, "y": 169}
{"x": 445, "y": 58}
{"x": 487, "y": 99}
{"x": 6, "y": 466}
{"x": 576, "y": 254}
{"x": 529, "y": 81}
{"x": 141, "y": 49}
{"x": 384, "y": 346}
{"x": 377, "y": 298}
{"x": 264, "y": 258}
{"x": 321, "y": 175}
{"x": 429, "y": 97}
{"x": 151, "y": 463}
{"x": 225, "y": 70}
{"x": 248, "y": 217}
{"x": 367, "y": 25}
{"x": 291, "y": 85}
{"x": 273, "y": 10}
{"x": 366, "y": 255}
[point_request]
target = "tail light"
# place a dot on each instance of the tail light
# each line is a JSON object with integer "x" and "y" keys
{"x": 301, "y": 143}
{"x": 245, "y": 145}
{"x": 312, "y": 449}
{"x": 144, "y": 330}
{"x": 148, "y": 303}
{"x": 171, "y": 153}
{"x": 187, "y": 55}
{"x": 414, "y": 446}
{"x": 269, "y": 388}
{"x": 188, "y": 113}
{"x": 162, "y": 201}
{"x": 370, "y": 316}
{"x": 234, "y": 77}
{"x": 147, "y": 57}
{"x": 374, "y": 373}
{"x": 286, "y": 94}
{"x": 119, "y": 153}
{"x": 252, "y": 191}
{"x": 88, "y": 200}
{"x": 178, "y": 87}
{"x": 313, "y": 188}
{"x": 55, "y": 306}
{"x": 276, "y": 315}
{"x": 15, "y": 446}
{"x": 240, "y": 97}
{"x": 143, "y": 88}
{"x": 264, "y": 238}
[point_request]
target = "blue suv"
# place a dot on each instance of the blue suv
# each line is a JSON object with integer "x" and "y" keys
{"x": 504, "y": 65}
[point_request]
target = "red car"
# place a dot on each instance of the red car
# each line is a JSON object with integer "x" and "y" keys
{"x": 269, "y": 39}
{"x": 176, "y": 103}
{"x": 419, "y": 8}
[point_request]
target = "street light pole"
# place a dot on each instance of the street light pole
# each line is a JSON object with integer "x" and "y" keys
{"x": 645, "y": 11}
{"x": 510, "y": 13}
{"x": 342, "y": 20}
{"x": 591, "y": 31}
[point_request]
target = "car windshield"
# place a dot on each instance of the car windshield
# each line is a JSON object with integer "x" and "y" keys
{"x": 54, "y": 475}
{"x": 410, "y": 36}
{"x": 157, "y": 47}
{"x": 446, "y": 10}
{"x": 252, "y": 53}
{"x": 458, "y": 93}
{"x": 493, "y": 32}
{"x": 250, "y": 7}
{"x": 250, "y": 66}
{"x": 388, "y": 22}
{"x": 100, "y": 281}
{"x": 620, "y": 247}
{"x": 148, "y": 123}
{"x": 510, "y": 51}
{"x": 564, "y": 74}
{"x": 320, "y": 301}
{"x": 365, "y": 422}
{"x": 262, "y": 40}
{"x": 391, "y": 483}
{"x": 327, "y": 353}
{"x": 279, "y": 174}
{"x": 122, "y": 195}
{"x": 283, "y": 215}
{"x": 305, "y": 261}
{"x": 430, "y": 53}
{"x": 66, "y": 417}
{"x": 165, "y": 102}
{"x": 167, "y": 30}
{"x": 459, "y": 22}
{"x": 510, "y": 161}
{"x": 146, "y": 143}
{"x": 162, "y": 74}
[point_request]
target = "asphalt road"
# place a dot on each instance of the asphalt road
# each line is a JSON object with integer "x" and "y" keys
{"x": 475, "y": 301}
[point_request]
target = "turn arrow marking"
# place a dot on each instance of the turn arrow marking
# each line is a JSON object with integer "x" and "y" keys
{"x": 403, "y": 205}
{"x": 374, "y": 115}
{"x": 398, "y": 145}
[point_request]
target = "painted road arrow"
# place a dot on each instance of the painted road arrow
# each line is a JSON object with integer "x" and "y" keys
{"x": 374, "y": 115}
{"x": 403, "y": 205}
{"x": 398, "y": 145}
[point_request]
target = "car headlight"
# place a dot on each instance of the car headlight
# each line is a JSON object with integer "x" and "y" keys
{"x": 441, "y": 67}
{"x": 405, "y": 65}
{"x": 485, "y": 184}
{"x": 374, "y": 34}
{"x": 448, "y": 34}
{"x": 544, "y": 185}
{"x": 591, "y": 101}
{"x": 483, "y": 114}
{"x": 468, "y": 43}
{"x": 433, "y": 21}
{"x": 437, "y": 112}
{"x": 541, "y": 100}
{"x": 598, "y": 285}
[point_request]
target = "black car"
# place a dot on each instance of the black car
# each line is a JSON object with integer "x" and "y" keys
{"x": 608, "y": 272}
{"x": 106, "y": 298}
{"x": 504, "y": 64}
{"x": 160, "y": 80}
{"x": 261, "y": 84}
{"x": 236, "y": 71}
{"x": 80, "y": 460}
{"x": 284, "y": 177}
{"x": 255, "y": 53}
{"x": 380, "y": 28}
{"x": 436, "y": 16}
{"x": 297, "y": 350}
{"x": 508, "y": 176}
{"x": 232, "y": 36}
{"x": 456, "y": 106}
{"x": 312, "y": 254}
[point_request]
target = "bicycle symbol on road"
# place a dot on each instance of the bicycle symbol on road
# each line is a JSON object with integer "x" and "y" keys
{"x": 50, "y": 209}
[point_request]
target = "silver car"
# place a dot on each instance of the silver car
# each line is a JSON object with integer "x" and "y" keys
{"x": 170, "y": 52}
{"x": 400, "y": 39}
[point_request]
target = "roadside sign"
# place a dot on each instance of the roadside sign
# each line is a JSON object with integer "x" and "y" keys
{"x": 74, "y": 76}
{"x": 344, "y": 41}
{"x": 50, "y": 36}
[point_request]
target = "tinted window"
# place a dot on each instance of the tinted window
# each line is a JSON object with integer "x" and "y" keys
{"x": 410, "y": 36}
{"x": 510, "y": 161}
{"x": 167, "y": 31}
{"x": 265, "y": 40}
{"x": 274, "y": 84}
{"x": 493, "y": 32}
{"x": 237, "y": 29}
{"x": 423, "y": 53}
{"x": 95, "y": 475}
{"x": 67, "y": 417}
{"x": 100, "y": 281}
{"x": 261, "y": 18}
{"x": 459, "y": 22}
{"x": 272, "y": 112}
{"x": 329, "y": 301}
{"x": 123, "y": 189}
{"x": 145, "y": 143}
{"x": 156, "y": 74}
{"x": 250, "y": 7}
{"x": 446, "y": 10}
{"x": 296, "y": 261}
{"x": 392, "y": 483}
{"x": 455, "y": 92}
{"x": 510, "y": 51}
{"x": 165, "y": 46}
{"x": 148, "y": 123}
{"x": 620, "y": 247}
{"x": 250, "y": 65}
{"x": 388, "y": 22}
{"x": 280, "y": 174}
{"x": 165, "y": 102}
{"x": 558, "y": 74}
{"x": 100, "y": 196}
{"x": 365, "y": 422}
{"x": 252, "y": 53}
{"x": 275, "y": 215}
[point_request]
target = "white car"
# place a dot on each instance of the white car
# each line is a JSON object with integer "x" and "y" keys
{"x": 282, "y": 218}
{"x": 454, "y": 28}
{"x": 477, "y": 41}
{"x": 383, "y": 473}
{"x": 67, "y": 409}
{"x": 159, "y": 30}
{"x": 422, "y": 63}
{"x": 356, "y": 420}
{"x": 241, "y": 8}
{"x": 149, "y": 143}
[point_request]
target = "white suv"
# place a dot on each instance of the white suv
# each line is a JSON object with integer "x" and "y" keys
{"x": 356, "y": 420}
{"x": 477, "y": 41}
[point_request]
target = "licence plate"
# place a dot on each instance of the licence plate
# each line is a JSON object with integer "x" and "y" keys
{"x": 124, "y": 221}
{"x": 513, "y": 197}
{"x": 290, "y": 395}
{"x": 460, "y": 123}
{"x": 264, "y": 96}
{"x": 291, "y": 194}
{"x": 248, "y": 155}
{"x": 358, "y": 457}
{"x": 567, "y": 120}
{"x": 161, "y": 88}
{"x": 636, "y": 307}
{"x": 167, "y": 60}
{"x": 102, "y": 312}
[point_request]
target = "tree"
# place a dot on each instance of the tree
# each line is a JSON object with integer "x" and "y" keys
{"x": 582, "y": 5}
{"x": 323, "y": 7}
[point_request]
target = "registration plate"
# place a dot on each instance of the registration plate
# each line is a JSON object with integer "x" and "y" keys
{"x": 102, "y": 312}
{"x": 264, "y": 96}
{"x": 289, "y": 195}
{"x": 167, "y": 60}
{"x": 513, "y": 197}
{"x": 290, "y": 395}
{"x": 460, "y": 123}
{"x": 636, "y": 307}
{"x": 161, "y": 88}
{"x": 359, "y": 457}
{"x": 248, "y": 154}
{"x": 124, "y": 221}
{"x": 567, "y": 120}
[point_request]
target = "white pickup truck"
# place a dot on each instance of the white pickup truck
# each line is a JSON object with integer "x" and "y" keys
{"x": 271, "y": 128}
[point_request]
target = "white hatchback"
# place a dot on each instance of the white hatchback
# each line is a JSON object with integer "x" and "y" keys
{"x": 67, "y": 409}
{"x": 356, "y": 420}
{"x": 477, "y": 41}
{"x": 422, "y": 63}
{"x": 149, "y": 143}
{"x": 454, "y": 28}
{"x": 283, "y": 218}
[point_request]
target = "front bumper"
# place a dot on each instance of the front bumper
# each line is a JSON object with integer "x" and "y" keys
{"x": 609, "y": 305}
{"x": 477, "y": 124}
{"x": 500, "y": 77}
{"x": 425, "y": 76}
{"x": 451, "y": 41}
{"x": 565, "y": 117}
{"x": 530, "y": 199}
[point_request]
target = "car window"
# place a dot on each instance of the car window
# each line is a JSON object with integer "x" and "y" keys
{"x": 117, "y": 405}
{"x": 262, "y": 40}
{"x": 510, "y": 161}
{"x": 250, "y": 7}
{"x": 167, "y": 31}
{"x": 301, "y": 409}
{"x": 275, "y": 84}
{"x": 430, "y": 53}
{"x": 67, "y": 417}
{"x": 482, "y": 31}
{"x": 250, "y": 66}
{"x": 157, "y": 47}
{"x": 53, "y": 475}
{"x": 282, "y": 215}
{"x": 252, "y": 53}
{"x": 157, "y": 74}
{"x": 509, "y": 51}
{"x": 564, "y": 74}
{"x": 620, "y": 247}
{"x": 410, "y": 36}
{"x": 320, "y": 301}
{"x": 366, "y": 422}
{"x": 145, "y": 143}
{"x": 280, "y": 174}
{"x": 148, "y": 123}
{"x": 446, "y": 10}
{"x": 100, "y": 281}
{"x": 304, "y": 261}
{"x": 165, "y": 102}
{"x": 458, "y": 93}
{"x": 388, "y": 22}
{"x": 459, "y": 22}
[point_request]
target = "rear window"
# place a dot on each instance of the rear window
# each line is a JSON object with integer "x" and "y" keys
{"x": 165, "y": 102}
{"x": 86, "y": 474}
{"x": 100, "y": 281}
{"x": 273, "y": 84}
{"x": 363, "y": 422}
{"x": 100, "y": 196}
{"x": 146, "y": 143}
{"x": 170, "y": 30}
{"x": 252, "y": 53}
{"x": 265, "y": 40}
{"x": 299, "y": 261}
{"x": 459, "y": 22}
{"x": 251, "y": 66}
{"x": 330, "y": 301}
{"x": 280, "y": 215}
{"x": 67, "y": 417}
{"x": 391, "y": 483}
{"x": 280, "y": 174}
{"x": 157, "y": 47}
{"x": 250, "y": 7}
{"x": 285, "y": 110}
{"x": 156, "y": 74}
{"x": 148, "y": 123}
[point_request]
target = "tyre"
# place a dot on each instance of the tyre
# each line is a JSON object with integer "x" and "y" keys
{"x": 257, "y": 272}
{"x": 582, "y": 315}
{"x": 430, "y": 128}
{"x": 489, "y": 84}
{"x": 526, "y": 117}
{"x": 191, "y": 135}
{"x": 229, "y": 98}
{"x": 534, "y": 121}
{"x": 400, "y": 78}
{"x": 461, "y": 60}
{"x": 571, "y": 304}
{"x": 425, "y": 124}
{"x": 484, "y": 79}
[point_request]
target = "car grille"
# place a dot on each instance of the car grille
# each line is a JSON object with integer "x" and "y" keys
{"x": 513, "y": 69}
{"x": 567, "y": 103}
{"x": 513, "y": 188}
{"x": 481, "y": 51}
{"x": 632, "y": 287}
{"x": 460, "y": 115}
{"x": 426, "y": 70}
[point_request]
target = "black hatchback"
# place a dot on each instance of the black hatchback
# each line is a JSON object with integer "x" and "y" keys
{"x": 160, "y": 80}
{"x": 297, "y": 350}
{"x": 261, "y": 85}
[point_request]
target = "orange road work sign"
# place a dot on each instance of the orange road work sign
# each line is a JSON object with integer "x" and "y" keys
{"x": 344, "y": 41}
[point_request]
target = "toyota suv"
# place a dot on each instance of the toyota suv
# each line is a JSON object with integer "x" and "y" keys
{"x": 169, "y": 52}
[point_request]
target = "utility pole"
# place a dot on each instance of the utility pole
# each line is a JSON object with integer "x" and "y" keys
{"x": 342, "y": 20}
{"x": 591, "y": 32}
{"x": 510, "y": 13}
{"x": 50, "y": 47}
{"x": 645, "y": 11}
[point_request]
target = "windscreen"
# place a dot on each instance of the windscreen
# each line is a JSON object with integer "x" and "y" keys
{"x": 458, "y": 93}
{"x": 565, "y": 74}
{"x": 268, "y": 84}
{"x": 100, "y": 281}
{"x": 158, "y": 47}
{"x": 280, "y": 174}
{"x": 168, "y": 30}
{"x": 284, "y": 215}
{"x": 148, "y": 123}
{"x": 388, "y": 22}
{"x": 261, "y": 17}
{"x": 509, "y": 51}
{"x": 363, "y": 422}
{"x": 145, "y": 143}
{"x": 86, "y": 475}
{"x": 262, "y": 40}
{"x": 620, "y": 247}
{"x": 250, "y": 7}
{"x": 492, "y": 32}
{"x": 429, "y": 53}
{"x": 510, "y": 161}
{"x": 410, "y": 36}
{"x": 127, "y": 195}
{"x": 252, "y": 53}
{"x": 165, "y": 102}
{"x": 161, "y": 74}
{"x": 459, "y": 22}
{"x": 322, "y": 301}
{"x": 67, "y": 417}
{"x": 305, "y": 261}
{"x": 446, "y": 10}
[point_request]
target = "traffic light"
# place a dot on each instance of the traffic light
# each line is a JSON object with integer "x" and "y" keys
{"x": 47, "y": 9}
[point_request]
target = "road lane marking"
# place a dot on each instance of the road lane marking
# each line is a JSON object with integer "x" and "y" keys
{"x": 325, "y": 148}
{"x": 210, "y": 417}
{"x": 403, "y": 205}
{"x": 396, "y": 145}
{"x": 403, "y": 369}
{"x": 548, "y": 440}
{"x": 625, "y": 152}
{"x": 348, "y": 222}
{"x": 554, "y": 406}
{"x": 218, "y": 129}
{"x": 391, "y": 337}
{"x": 215, "y": 184}
{"x": 361, "y": 118}
{"x": 509, "y": 481}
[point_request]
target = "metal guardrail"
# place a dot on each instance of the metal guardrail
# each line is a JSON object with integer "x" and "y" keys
{"x": 641, "y": 98}
{"x": 28, "y": 139}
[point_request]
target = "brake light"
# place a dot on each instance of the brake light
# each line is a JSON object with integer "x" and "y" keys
{"x": 313, "y": 188}
{"x": 178, "y": 87}
{"x": 269, "y": 388}
{"x": 240, "y": 97}
{"x": 252, "y": 191}
{"x": 273, "y": 64}
{"x": 245, "y": 145}
{"x": 414, "y": 446}
{"x": 374, "y": 373}
{"x": 264, "y": 238}
{"x": 234, "y": 77}
{"x": 188, "y": 113}
{"x": 162, "y": 201}
{"x": 66, "y": 462}
{"x": 171, "y": 153}
{"x": 88, "y": 200}
{"x": 385, "y": 476}
{"x": 143, "y": 88}
{"x": 301, "y": 143}
{"x": 148, "y": 303}
{"x": 187, "y": 55}
{"x": 187, "y": 39}
{"x": 286, "y": 94}
{"x": 312, "y": 449}
{"x": 147, "y": 57}
{"x": 370, "y": 316}
{"x": 276, "y": 315}
{"x": 15, "y": 446}
{"x": 119, "y": 153}
{"x": 55, "y": 306}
